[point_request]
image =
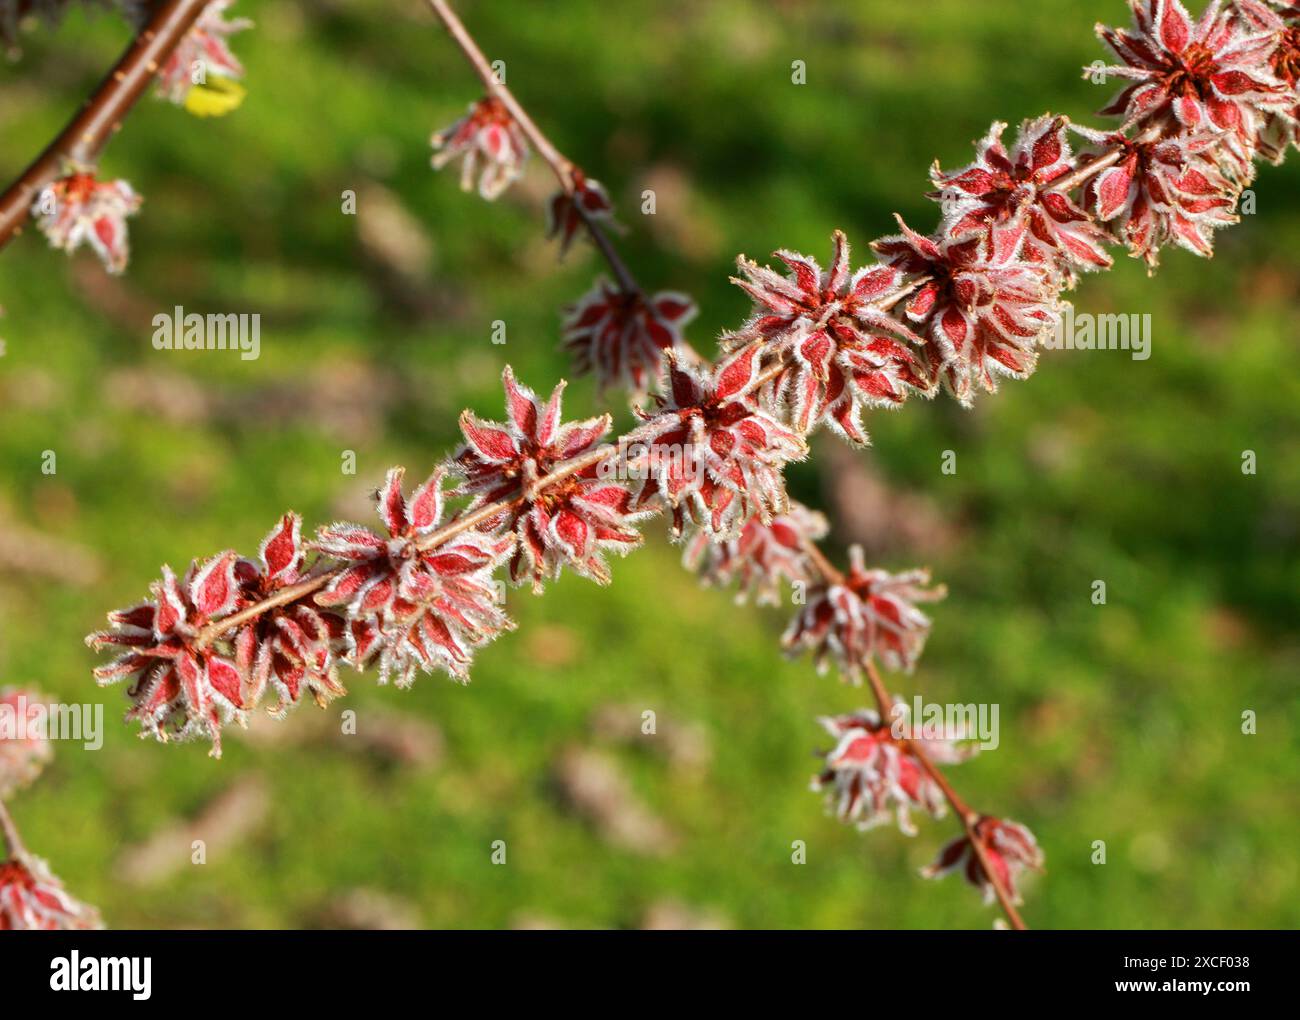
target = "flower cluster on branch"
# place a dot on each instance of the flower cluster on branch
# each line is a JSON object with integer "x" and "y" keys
{"x": 70, "y": 202}
{"x": 956, "y": 309}
{"x": 873, "y": 774}
{"x": 31, "y": 897}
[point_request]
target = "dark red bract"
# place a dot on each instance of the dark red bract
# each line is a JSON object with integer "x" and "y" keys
{"x": 1009, "y": 847}
{"x": 842, "y": 352}
{"x": 1208, "y": 75}
{"x": 710, "y": 452}
{"x": 572, "y": 521}
{"x": 1010, "y": 195}
{"x": 408, "y": 607}
{"x": 983, "y": 311}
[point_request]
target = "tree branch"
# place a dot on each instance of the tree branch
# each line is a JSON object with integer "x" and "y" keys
{"x": 969, "y": 818}
{"x": 101, "y": 116}
{"x": 9, "y": 834}
{"x": 560, "y": 165}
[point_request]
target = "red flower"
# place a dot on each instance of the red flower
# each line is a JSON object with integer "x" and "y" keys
{"x": 294, "y": 642}
{"x": 1212, "y": 74}
{"x": 486, "y": 136}
{"x": 622, "y": 337}
{"x": 843, "y": 353}
{"x": 25, "y": 748}
{"x": 870, "y": 769}
{"x": 79, "y": 209}
{"x": 567, "y": 210}
{"x": 409, "y": 607}
{"x": 762, "y": 556}
{"x": 1009, "y": 846}
{"x": 181, "y": 688}
{"x": 570, "y": 522}
{"x": 32, "y": 899}
{"x": 204, "y": 46}
{"x": 983, "y": 311}
{"x": 713, "y": 455}
{"x": 872, "y": 614}
{"x": 1161, "y": 192}
{"x": 1280, "y": 129}
{"x": 1010, "y": 194}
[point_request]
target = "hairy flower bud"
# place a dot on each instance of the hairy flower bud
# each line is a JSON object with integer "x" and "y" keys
{"x": 489, "y": 144}
{"x": 569, "y": 209}
{"x": 1010, "y": 195}
{"x": 761, "y": 556}
{"x": 1161, "y": 192}
{"x": 622, "y": 338}
{"x": 1211, "y": 74}
{"x": 983, "y": 311}
{"x": 842, "y": 352}
{"x": 716, "y": 457}
{"x": 32, "y": 899}
{"x": 869, "y": 614}
{"x": 874, "y": 767}
{"x": 78, "y": 209}
{"x": 181, "y": 688}
{"x": 203, "y": 55}
{"x": 1009, "y": 847}
{"x": 409, "y": 608}
{"x": 571, "y": 521}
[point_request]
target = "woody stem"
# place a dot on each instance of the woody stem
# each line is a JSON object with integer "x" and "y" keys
{"x": 100, "y": 117}
{"x": 560, "y": 165}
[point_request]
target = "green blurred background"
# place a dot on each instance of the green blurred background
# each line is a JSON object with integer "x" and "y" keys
{"x": 1119, "y": 723}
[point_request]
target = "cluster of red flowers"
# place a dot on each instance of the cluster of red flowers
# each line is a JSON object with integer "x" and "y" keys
{"x": 955, "y": 309}
{"x": 203, "y": 54}
{"x": 871, "y": 770}
{"x": 33, "y": 899}
{"x": 78, "y": 208}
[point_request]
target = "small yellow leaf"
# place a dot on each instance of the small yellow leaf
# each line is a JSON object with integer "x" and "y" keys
{"x": 214, "y": 98}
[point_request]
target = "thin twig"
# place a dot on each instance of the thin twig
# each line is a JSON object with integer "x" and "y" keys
{"x": 458, "y": 526}
{"x": 560, "y": 165}
{"x": 969, "y": 818}
{"x": 101, "y": 115}
{"x": 829, "y": 572}
{"x": 290, "y": 593}
{"x": 1089, "y": 170}
{"x": 9, "y": 831}
{"x": 1103, "y": 161}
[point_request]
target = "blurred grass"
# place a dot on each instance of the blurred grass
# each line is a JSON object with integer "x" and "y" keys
{"x": 1119, "y": 723}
